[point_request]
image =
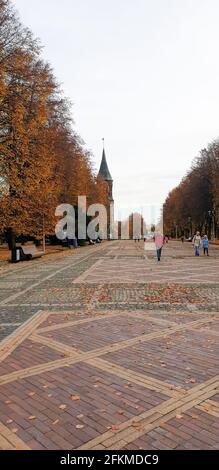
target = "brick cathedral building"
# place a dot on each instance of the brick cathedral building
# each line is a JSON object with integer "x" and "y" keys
{"x": 105, "y": 174}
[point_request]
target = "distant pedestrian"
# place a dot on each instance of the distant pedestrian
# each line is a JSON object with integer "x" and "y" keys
{"x": 182, "y": 238}
{"x": 205, "y": 245}
{"x": 159, "y": 241}
{"x": 197, "y": 242}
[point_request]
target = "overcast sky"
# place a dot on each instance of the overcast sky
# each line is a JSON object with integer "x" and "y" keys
{"x": 144, "y": 74}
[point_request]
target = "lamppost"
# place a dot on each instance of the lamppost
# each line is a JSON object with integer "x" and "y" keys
{"x": 176, "y": 229}
{"x": 190, "y": 226}
{"x": 44, "y": 236}
{"x": 211, "y": 214}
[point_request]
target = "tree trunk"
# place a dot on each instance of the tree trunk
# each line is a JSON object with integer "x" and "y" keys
{"x": 11, "y": 240}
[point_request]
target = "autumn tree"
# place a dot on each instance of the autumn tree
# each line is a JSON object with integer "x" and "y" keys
{"x": 192, "y": 204}
{"x": 42, "y": 160}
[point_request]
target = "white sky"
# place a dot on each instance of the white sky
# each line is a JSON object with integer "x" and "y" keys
{"x": 144, "y": 74}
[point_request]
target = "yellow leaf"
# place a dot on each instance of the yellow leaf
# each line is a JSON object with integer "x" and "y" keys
{"x": 75, "y": 397}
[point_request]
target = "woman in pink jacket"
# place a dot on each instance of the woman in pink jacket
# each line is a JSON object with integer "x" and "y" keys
{"x": 159, "y": 241}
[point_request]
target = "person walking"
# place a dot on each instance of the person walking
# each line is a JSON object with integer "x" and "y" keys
{"x": 159, "y": 241}
{"x": 205, "y": 245}
{"x": 197, "y": 242}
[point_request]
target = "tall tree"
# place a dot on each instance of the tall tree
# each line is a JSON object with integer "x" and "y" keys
{"x": 42, "y": 160}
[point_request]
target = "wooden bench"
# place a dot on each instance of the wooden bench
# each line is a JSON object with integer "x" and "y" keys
{"x": 30, "y": 252}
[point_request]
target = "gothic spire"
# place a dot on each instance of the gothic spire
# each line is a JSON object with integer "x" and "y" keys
{"x": 104, "y": 170}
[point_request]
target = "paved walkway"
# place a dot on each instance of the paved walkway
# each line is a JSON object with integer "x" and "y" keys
{"x": 103, "y": 348}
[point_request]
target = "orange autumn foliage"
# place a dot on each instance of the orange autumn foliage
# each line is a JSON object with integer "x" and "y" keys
{"x": 42, "y": 160}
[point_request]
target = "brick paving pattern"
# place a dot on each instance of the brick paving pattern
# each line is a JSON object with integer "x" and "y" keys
{"x": 103, "y": 348}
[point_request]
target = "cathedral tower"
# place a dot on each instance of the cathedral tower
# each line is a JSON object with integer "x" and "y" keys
{"x": 105, "y": 174}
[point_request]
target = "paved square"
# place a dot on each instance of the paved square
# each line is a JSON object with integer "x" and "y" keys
{"x": 104, "y": 331}
{"x": 108, "y": 350}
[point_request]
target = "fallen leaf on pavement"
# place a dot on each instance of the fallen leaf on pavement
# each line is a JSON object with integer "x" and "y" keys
{"x": 136, "y": 425}
{"x": 62, "y": 407}
{"x": 75, "y": 397}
